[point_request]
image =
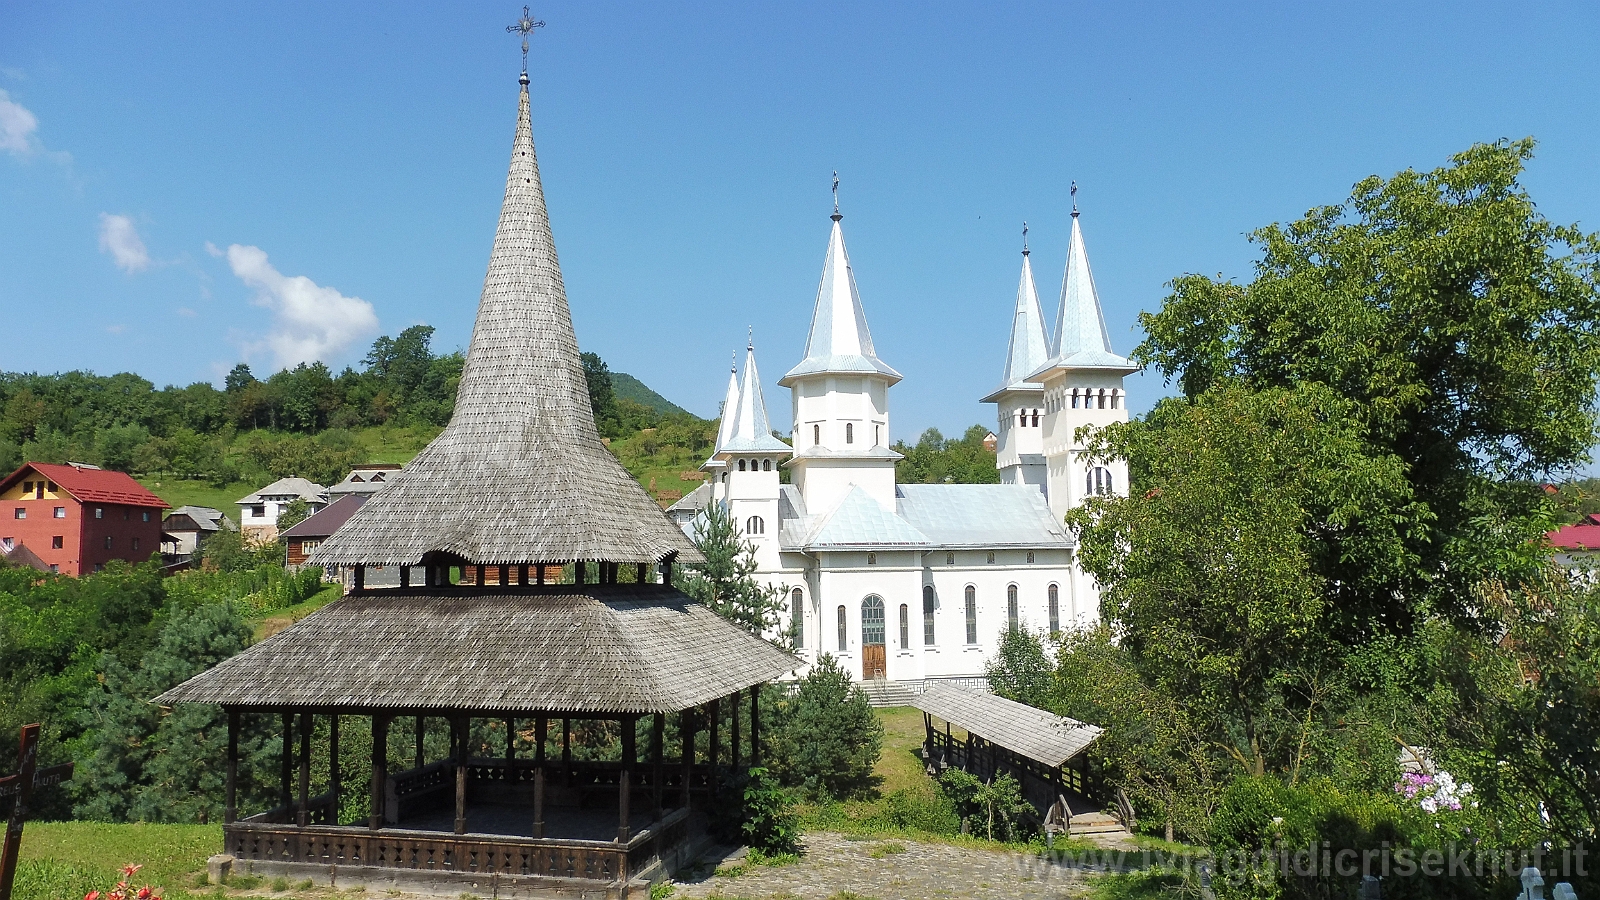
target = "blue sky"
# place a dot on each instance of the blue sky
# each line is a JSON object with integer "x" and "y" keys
{"x": 360, "y": 149}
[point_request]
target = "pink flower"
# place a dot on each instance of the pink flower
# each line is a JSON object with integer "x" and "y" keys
{"x": 130, "y": 868}
{"x": 92, "y": 895}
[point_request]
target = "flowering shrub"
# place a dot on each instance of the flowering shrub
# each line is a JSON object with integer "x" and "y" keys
{"x": 123, "y": 890}
{"x": 1432, "y": 792}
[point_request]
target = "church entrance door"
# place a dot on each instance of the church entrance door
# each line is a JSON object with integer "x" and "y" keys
{"x": 873, "y": 663}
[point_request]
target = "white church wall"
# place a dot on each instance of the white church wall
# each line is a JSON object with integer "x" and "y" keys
{"x": 823, "y": 483}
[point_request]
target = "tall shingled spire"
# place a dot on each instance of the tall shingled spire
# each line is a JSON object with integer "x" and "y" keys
{"x": 730, "y": 407}
{"x": 752, "y": 433}
{"x": 839, "y": 340}
{"x": 1029, "y": 347}
{"x": 519, "y": 475}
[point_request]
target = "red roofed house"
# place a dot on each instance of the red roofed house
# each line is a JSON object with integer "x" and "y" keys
{"x": 76, "y": 518}
{"x": 1578, "y": 544}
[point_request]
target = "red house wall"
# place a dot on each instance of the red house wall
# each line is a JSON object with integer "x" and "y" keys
{"x": 83, "y": 537}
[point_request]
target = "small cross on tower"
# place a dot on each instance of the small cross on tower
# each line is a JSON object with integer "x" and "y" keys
{"x": 524, "y": 26}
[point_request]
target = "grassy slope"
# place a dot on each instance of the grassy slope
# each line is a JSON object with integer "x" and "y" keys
{"x": 631, "y": 388}
{"x": 170, "y": 854}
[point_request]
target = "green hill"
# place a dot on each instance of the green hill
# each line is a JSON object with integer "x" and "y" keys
{"x": 630, "y": 388}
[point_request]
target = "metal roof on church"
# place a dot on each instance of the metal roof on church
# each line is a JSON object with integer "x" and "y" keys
{"x": 839, "y": 342}
{"x": 982, "y": 515}
{"x": 860, "y": 522}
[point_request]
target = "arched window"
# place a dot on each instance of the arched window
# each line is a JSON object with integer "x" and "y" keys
{"x": 990, "y": 559}
{"x": 1116, "y": 398}
{"x": 754, "y": 525}
{"x": 949, "y": 559}
{"x": 1036, "y": 418}
{"x": 1022, "y": 418}
{"x": 872, "y": 625}
{"x": 849, "y": 432}
{"x": 1098, "y": 481}
{"x": 927, "y": 614}
{"x": 1074, "y": 398}
{"x": 872, "y": 559}
{"x": 877, "y": 435}
{"x": 905, "y": 627}
{"x": 724, "y": 477}
{"x": 1055, "y": 609}
{"x": 843, "y": 634}
{"x": 741, "y": 465}
{"x": 766, "y": 465}
{"x": 816, "y": 435}
{"x": 1102, "y": 398}
{"x": 797, "y": 617}
{"x": 972, "y": 614}
{"x": 1030, "y": 557}
{"x": 1011, "y": 606}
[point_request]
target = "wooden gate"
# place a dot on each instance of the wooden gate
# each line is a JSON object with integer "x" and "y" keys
{"x": 872, "y": 661}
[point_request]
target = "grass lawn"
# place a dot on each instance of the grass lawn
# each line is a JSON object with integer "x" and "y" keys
{"x": 64, "y": 860}
{"x": 198, "y": 492}
{"x": 279, "y": 619}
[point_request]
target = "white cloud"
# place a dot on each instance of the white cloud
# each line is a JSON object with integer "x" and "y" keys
{"x": 213, "y": 250}
{"x": 119, "y": 238}
{"x": 313, "y": 322}
{"x": 17, "y": 127}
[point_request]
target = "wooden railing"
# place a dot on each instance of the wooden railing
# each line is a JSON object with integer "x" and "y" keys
{"x": 319, "y": 811}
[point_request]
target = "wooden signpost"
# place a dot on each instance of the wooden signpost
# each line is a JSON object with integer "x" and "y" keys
{"x": 20, "y": 788}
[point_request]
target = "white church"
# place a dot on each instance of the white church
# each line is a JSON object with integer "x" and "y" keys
{"x": 912, "y": 582}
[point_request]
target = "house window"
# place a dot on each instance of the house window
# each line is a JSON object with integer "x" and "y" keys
{"x": 57, "y": 542}
{"x": 1030, "y": 557}
{"x": 99, "y": 567}
{"x": 991, "y": 558}
{"x": 1036, "y": 418}
{"x": 842, "y": 634}
{"x": 108, "y": 542}
{"x": 146, "y": 516}
{"x": 38, "y": 491}
{"x": 1074, "y": 398}
{"x": 1115, "y": 397}
{"x": 872, "y": 621}
{"x": 877, "y": 435}
{"x": 21, "y": 513}
{"x": 55, "y": 569}
{"x": 135, "y": 543}
{"x": 972, "y": 614}
{"x": 741, "y": 465}
{"x": 308, "y": 546}
{"x": 816, "y": 435}
{"x": 258, "y": 511}
{"x": 1055, "y": 609}
{"x": 51, "y": 486}
{"x": 1011, "y": 607}
{"x": 849, "y": 432}
{"x": 766, "y": 465}
{"x": 27, "y": 487}
{"x": 927, "y": 614}
{"x": 1098, "y": 481}
{"x": 872, "y": 559}
{"x": 754, "y": 525}
{"x": 61, "y": 512}
{"x": 127, "y": 514}
{"x": 99, "y": 512}
{"x": 949, "y": 559}
{"x": 8, "y": 544}
{"x": 797, "y": 618}
{"x": 905, "y": 627}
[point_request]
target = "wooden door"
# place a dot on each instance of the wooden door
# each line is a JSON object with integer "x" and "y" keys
{"x": 872, "y": 661}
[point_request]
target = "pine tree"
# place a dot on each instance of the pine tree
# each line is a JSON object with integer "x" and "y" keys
{"x": 726, "y": 581}
{"x": 828, "y": 738}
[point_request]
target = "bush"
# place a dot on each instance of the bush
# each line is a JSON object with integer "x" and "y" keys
{"x": 827, "y": 739}
{"x": 911, "y": 811}
{"x": 993, "y": 809}
{"x": 770, "y": 823}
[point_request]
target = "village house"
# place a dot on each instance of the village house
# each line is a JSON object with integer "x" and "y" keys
{"x": 367, "y": 479}
{"x": 186, "y": 529}
{"x": 76, "y": 518}
{"x": 258, "y": 513}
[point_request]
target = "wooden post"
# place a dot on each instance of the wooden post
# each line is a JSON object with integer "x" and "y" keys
{"x": 927, "y": 726}
{"x": 27, "y": 764}
{"x": 642, "y": 573}
{"x": 361, "y": 578}
{"x": 522, "y": 576}
{"x": 713, "y": 745}
{"x": 303, "y": 814}
{"x": 539, "y": 573}
{"x": 511, "y": 745}
{"x": 285, "y": 799}
{"x": 566, "y": 748}
{"x": 405, "y": 576}
{"x": 463, "y": 723}
{"x": 666, "y": 571}
{"x": 755, "y": 725}
{"x": 580, "y": 574}
{"x": 421, "y": 730}
{"x": 230, "y": 812}
{"x": 733, "y": 737}
{"x": 380, "y": 769}
{"x": 630, "y": 729}
{"x": 538, "y": 777}
{"x": 658, "y": 739}
{"x": 478, "y": 578}
{"x": 333, "y": 768}
{"x": 686, "y": 726}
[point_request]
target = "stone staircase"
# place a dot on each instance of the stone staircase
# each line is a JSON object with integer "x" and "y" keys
{"x": 882, "y": 693}
{"x": 1095, "y": 823}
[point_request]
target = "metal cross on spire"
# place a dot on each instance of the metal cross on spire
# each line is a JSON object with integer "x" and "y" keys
{"x": 1024, "y": 238}
{"x": 1074, "y": 198}
{"x": 524, "y": 26}
{"x": 750, "y": 337}
{"x": 835, "y": 193}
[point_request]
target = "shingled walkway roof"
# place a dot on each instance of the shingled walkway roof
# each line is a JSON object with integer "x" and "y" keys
{"x": 594, "y": 649}
{"x": 1018, "y": 727}
{"x": 519, "y": 475}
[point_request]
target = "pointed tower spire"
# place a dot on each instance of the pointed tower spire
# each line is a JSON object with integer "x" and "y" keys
{"x": 839, "y": 340}
{"x": 519, "y": 475}
{"x": 730, "y": 406}
{"x": 1081, "y": 339}
{"x": 1030, "y": 347}
{"x": 752, "y": 432}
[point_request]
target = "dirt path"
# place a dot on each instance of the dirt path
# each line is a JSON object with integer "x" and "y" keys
{"x": 890, "y": 870}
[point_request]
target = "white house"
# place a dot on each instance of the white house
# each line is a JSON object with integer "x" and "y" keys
{"x": 910, "y": 582}
{"x": 258, "y": 513}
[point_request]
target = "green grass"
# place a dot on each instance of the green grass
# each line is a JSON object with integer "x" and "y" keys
{"x": 277, "y": 620}
{"x": 196, "y": 492}
{"x": 61, "y": 855}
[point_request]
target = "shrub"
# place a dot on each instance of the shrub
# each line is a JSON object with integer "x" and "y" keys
{"x": 994, "y": 809}
{"x": 770, "y": 824}
{"x": 827, "y": 738}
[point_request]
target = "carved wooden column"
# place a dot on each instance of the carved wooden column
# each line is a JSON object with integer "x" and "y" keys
{"x": 463, "y": 724}
{"x": 422, "y": 729}
{"x": 302, "y": 816}
{"x": 286, "y": 798}
{"x": 713, "y": 748}
{"x": 630, "y": 729}
{"x": 658, "y": 740}
{"x": 380, "y": 769}
{"x": 333, "y": 768}
{"x": 733, "y": 737}
{"x": 686, "y": 726}
{"x": 230, "y": 812}
{"x": 755, "y": 725}
{"x": 538, "y": 777}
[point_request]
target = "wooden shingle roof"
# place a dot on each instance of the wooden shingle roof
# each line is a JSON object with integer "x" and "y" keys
{"x": 519, "y": 475}
{"x": 1040, "y": 736}
{"x": 592, "y": 649}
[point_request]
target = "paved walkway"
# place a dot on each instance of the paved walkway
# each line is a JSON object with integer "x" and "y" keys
{"x": 891, "y": 870}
